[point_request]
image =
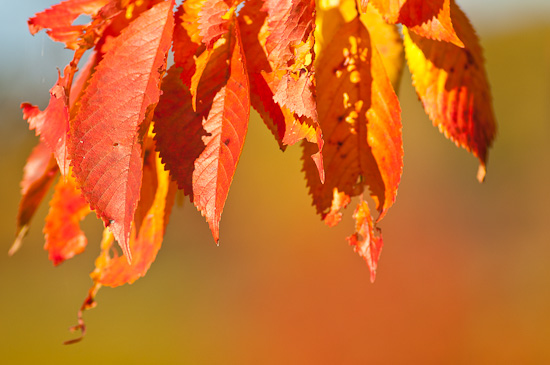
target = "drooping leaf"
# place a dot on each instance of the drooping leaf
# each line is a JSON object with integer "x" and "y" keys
{"x": 146, "y": 244}
{"x": 104, "y": 139}
{"x": 223, "y": 100}
{"x": 185, "y": 45}
{"x": 252, "y": 23}
{"x": 38, "y": 175}
{"x": 62, "y": 232}
{"x": 52, "y": 124}
{"x": 453, "y": 87}
{"x": 367, "y": 240}
{"x": 59, "y": 20}
{"x": 289, "y": 47}
{"x": 174, "y": 118}
{"x": 330, "y": 17}
{"x": 427, "y": 18}
{"x": 213, "y": 22}
{"x": 360, "y": 117}
{"x": 388, "y": 42}
{"x": 81, "y": 82}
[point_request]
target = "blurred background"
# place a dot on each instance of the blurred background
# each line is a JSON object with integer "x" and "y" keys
{"x": 464, "y": 275}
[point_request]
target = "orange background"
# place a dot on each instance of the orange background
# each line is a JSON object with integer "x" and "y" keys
{"x": 464, "y": 275}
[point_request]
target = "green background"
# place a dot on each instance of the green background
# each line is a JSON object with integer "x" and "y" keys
{"x": 464, "y": 275}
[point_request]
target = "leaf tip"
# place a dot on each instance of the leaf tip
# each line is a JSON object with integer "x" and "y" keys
{"x": 481, "y": 172}
{"x": 18, "y": 240}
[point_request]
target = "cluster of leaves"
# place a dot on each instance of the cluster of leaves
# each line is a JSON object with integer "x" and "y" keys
{"x": 125, "y": 133}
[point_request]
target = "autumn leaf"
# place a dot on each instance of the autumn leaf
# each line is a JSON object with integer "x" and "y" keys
{"x": 62, "y": 232}
{"x": 427, "y": 18}
{"x": 289, "y": 49}
{"x": 145, "y": 245}
{"x": 53, "y": 123}
{"x": 453, "y": 87}
{"x": 59, "y": 20}
{"x": 388, "y": 43}
{"x": 104, "y": 140}
{"x": 186, "y": 38}
{"x": 366, "y": 241}
{"x": 38, "y": 175}
{"x": 127, "y": 133}
{"x": 224, "y": 102}
{"x": 175, "y": 117}
{"x": 252, "y": 23}
{"x": 360, "y": 116}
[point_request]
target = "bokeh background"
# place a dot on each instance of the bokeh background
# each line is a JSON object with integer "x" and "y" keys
{"x": 464, "y": 275}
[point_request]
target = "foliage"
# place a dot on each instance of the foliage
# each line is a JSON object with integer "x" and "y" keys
{"x": 127, "y": 133}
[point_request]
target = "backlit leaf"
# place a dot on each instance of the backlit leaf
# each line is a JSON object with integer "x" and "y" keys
{"x": 223, "y": 92}
{"x": 186, "y": 44}
{"x": 38, "y": 175}
{"x": 104, "y": 139}
{"x": 53, "y": 123}
{"x": 367, "y": 240}
{"x": 252, "y": 23}
{"x": 360, "y": 117}
{"x": 427, "y": 18}
{"x": 63, "y": 235}
{"x": 290, "y": 50}
{"x": 453, "y": 87}
{"x": 145, "y": 245}
{"x": 214, "y": 21}
{"x": 388, "y": 42}
{"x": 59, "y": 20}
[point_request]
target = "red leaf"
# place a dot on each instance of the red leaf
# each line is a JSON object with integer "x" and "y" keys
{"x": 38, "y": 175}
{"x": 366, "y": 241}
{"x": 59, "y": 19}
{"x": 453, "y": 87}
{"x": 104, "y": 140}
{"x": 224, "y": 86}
{"x": 64, "y": 238}
{"x": 53, "y": 123}
{"x": 289, "y": 49}
{"x": 428, "y": 18}
{"x": 251, "y": 20}
{"x": 214, "y": 21}
{"x": 174, "y": 118}
{"x": 185, "y": 46}
{"x": 145, "y": 246}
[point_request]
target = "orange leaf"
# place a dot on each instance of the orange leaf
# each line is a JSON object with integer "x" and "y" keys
{"x": 145, "y": 245}
{"x": 428, "y": 18}
{"x": 185, "y": 44}
{"x": 366, "y": 241}
{"x": 222, "y": 93}
{"x": 38, "y": 175}
{"x": 59, "y": 20}
{"x": 360, "y": 117}
{"x": 214, "y": 20}
{"x": 64, "y": 238}
{"x": 388, "y": 43}
{"x": 52, "y": 124}
{"x": 104, "y": 139}
{"x": 289, "y": 48}
{"x": 453, "y": 87}
{"x": 254, "y": 33}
